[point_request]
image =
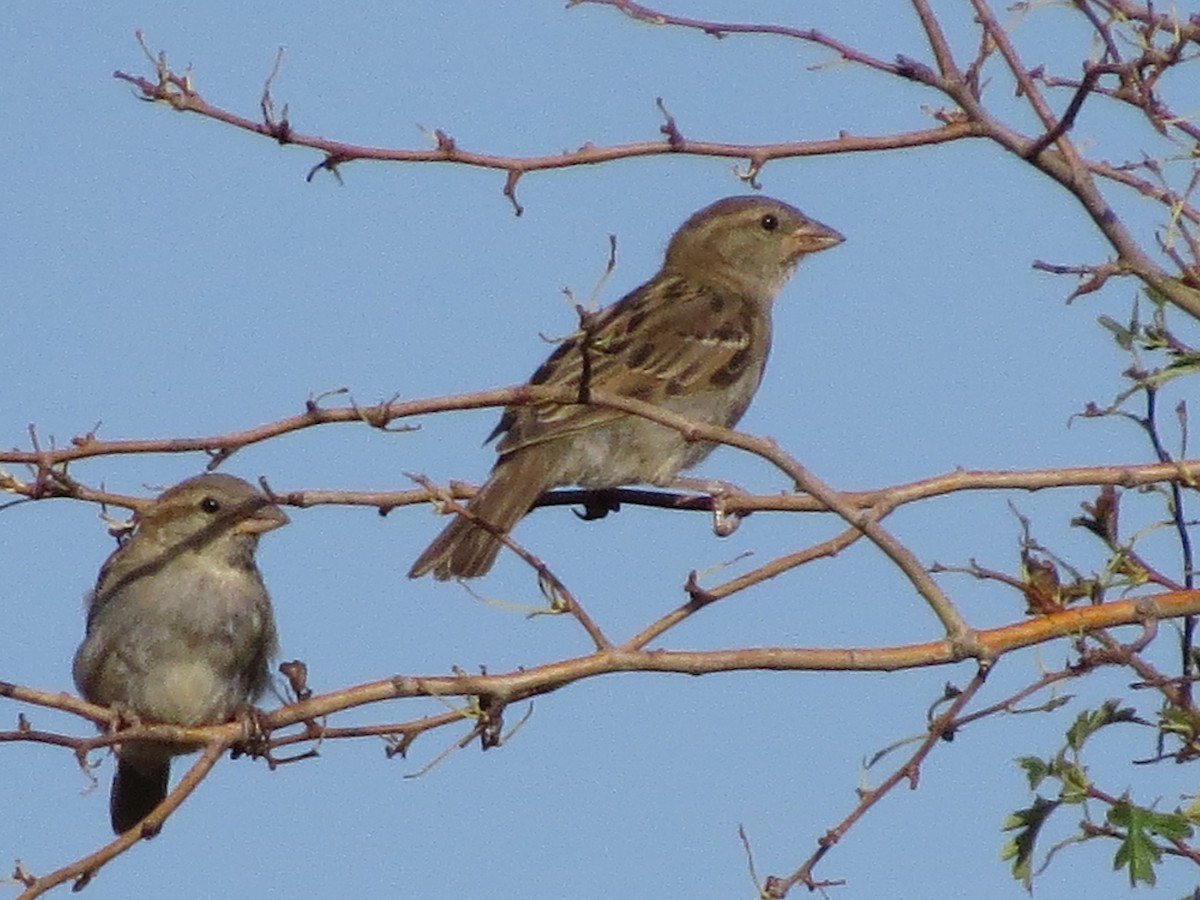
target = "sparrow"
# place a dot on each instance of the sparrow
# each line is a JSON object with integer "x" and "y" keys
{"x": 179, "y": 626}
{"x": 693, "y": 340}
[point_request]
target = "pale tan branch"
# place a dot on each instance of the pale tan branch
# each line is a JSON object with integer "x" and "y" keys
{"x": 493, "y": 692}
{"x": 529, "y": 682}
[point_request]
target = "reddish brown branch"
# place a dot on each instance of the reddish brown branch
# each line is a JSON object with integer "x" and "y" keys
{"x": 83, "y": 870}
{"x": 172, "y": 92}
{"x": 908, "y": 772}
{"x": 721, "y": 29}
{"x": 560, "y": 597}
{"x": 693, "y": 431}
{"x": 88, "y": 446}
{"x": 1066, "y": 166}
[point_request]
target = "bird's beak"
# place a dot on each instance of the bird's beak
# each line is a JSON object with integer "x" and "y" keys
{"x": 812, "y": 237}
{"x": 268, "y": 518}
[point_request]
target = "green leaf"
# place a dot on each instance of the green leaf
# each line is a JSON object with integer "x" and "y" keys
{"x": 1090, "y": 721}
{"x": 1157, "y": 297}
{"x": 1138, "y": 851}
{"x": 1027, "y": 823}
{"x": 1176, "y": 721}
{"x": 1036, "y": 769}
{"x": 1123, "y": 336}
{"x": 1191, "y": 812}
{"x": 1075, "y": 782}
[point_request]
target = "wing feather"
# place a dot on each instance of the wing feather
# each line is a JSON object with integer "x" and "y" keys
{"x": 668, "y": 338}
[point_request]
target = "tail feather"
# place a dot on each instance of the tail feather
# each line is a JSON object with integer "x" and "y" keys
{"x": 465, "y": 550}
{"x": 137, "y": 788}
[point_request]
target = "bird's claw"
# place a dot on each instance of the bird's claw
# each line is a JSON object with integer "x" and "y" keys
{"x": 258, "y": 733}
{"x": 725, "y": 522}
{"x": 598, "y": 505}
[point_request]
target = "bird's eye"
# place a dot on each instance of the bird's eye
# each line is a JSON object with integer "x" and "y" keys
{"x": 769, "y": 222}
{"x": 210, "y": 505}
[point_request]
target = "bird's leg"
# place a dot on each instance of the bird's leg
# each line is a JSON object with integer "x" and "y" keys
{"x": 725, "y": 521}
{"x": 122, "y": 717}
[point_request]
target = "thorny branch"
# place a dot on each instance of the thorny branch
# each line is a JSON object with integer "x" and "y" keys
{"x": 1140, "y": 47}
{"x": 1137, "y": 78}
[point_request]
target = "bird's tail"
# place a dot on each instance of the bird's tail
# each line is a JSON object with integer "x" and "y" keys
{"x": 138, "y": 787}
{"x": 464, "y": 549}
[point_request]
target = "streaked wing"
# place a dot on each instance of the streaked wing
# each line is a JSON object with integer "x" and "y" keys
{"x": 666, "y": 339}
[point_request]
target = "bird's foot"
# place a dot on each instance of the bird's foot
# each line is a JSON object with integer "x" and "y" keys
{"x": 257, "y": 730}
{"x": 723, "y": 494}
{"x": 597, "y": 505}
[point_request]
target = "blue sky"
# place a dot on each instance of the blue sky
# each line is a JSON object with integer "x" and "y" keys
{"x": 166, "y": 276}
